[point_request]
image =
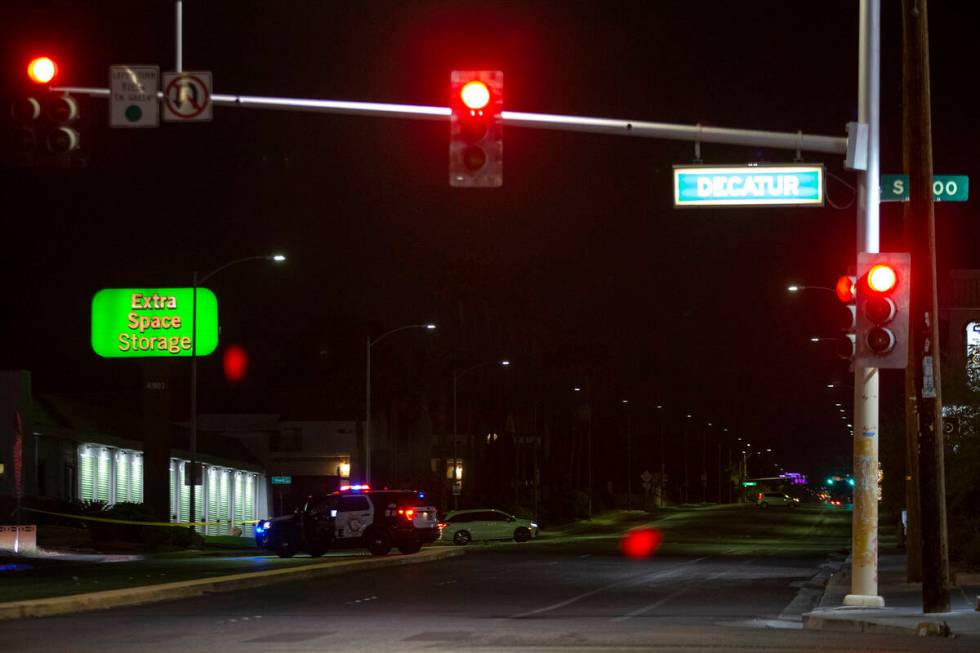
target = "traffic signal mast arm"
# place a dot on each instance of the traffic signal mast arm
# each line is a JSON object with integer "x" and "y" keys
{"x": 643, "y": 129}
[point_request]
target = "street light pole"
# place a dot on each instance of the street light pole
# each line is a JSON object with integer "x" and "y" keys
{"x": 456, "y": 376}
{"x": 663, "y": 462}
{"x": 629, "y": 460}
{"x": 686, "y": 478}
{"x": 192, "y": 507}
{"x": 367, "y": 392}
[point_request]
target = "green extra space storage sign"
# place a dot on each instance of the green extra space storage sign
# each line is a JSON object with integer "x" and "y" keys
{"x": 142, "y": 322}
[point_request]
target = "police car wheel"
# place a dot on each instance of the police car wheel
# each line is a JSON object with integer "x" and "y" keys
{"x": 286, "y": 550}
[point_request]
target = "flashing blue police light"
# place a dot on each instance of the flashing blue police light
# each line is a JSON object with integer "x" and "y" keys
{"x": 355, "y": 488}
{"x": 421, "y": 494}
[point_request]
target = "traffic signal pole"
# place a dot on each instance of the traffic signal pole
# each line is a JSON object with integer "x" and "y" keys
{"x": 795, "y": 141}
{"x": 864, "y": 528}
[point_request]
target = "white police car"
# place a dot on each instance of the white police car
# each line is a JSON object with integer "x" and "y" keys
{"x": 356, "y": 516}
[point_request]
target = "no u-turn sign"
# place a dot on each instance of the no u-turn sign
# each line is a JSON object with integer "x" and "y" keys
{"x": 187, "y": 96}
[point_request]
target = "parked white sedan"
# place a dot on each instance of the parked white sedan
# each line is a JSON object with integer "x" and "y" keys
{"x": 463, "y": 526}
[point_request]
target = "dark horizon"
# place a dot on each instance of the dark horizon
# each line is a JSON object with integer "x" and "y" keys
{"x": 579, "y": 267}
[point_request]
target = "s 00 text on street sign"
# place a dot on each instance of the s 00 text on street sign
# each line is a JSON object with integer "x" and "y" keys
{"x": 152, "y": 322}
{"x": 945, "y": 188}
{"x": 749, "y": 185}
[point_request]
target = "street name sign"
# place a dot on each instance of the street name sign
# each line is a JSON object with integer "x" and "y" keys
{"x": 187, "y": 96}
{"x": 945, "y": 188}
{"x": 748, "y": 185}
{"x": 133, "y": 98}
{"x": 282, "y": 480}
{"x": 152, "y": 322}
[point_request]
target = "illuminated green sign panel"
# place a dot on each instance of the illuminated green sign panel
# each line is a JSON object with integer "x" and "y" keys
{"x": 144, "y": 322}
{"x": 749, "y": 185}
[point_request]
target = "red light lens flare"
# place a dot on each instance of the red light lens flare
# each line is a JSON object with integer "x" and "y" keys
{"x": 235, "y": 364}
{"x": 641, "y": 543}
{"x": 475, "y": 95}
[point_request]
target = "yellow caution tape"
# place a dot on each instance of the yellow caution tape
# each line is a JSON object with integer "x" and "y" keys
{"x": 142, "y": 523}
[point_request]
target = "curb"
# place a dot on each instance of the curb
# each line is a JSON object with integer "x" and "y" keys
{"x": 190, "y": 588}
{"x": 813, "y": 621}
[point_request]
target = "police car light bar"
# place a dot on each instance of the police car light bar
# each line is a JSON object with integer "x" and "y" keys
{"x": 355, "y": 488}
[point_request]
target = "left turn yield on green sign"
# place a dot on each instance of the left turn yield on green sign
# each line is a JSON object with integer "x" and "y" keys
{"x": 133, "y": 98}
{"x": 153, "y": 322}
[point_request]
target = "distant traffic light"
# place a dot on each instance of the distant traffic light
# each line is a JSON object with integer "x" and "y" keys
{"x": 883, "y": 310}
{"x": 476, "y": 129}
{"x": 846, "y": 291}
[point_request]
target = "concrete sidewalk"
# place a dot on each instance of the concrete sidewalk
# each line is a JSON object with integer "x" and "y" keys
{"x": 903, "y": 605}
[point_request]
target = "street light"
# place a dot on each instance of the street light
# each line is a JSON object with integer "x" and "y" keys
{"x": 457, "y": 375}
{"x": 367, "y": 421}
{"x": 795, "y": 288}
{"x": 278, "y": 258}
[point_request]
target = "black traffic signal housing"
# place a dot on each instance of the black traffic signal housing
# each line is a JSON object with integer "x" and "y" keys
{"x": 476, "y": 129}
{"x": 846, "y": 288}
{"x": 43, "y": 125}
{"x": 883, "y": 284}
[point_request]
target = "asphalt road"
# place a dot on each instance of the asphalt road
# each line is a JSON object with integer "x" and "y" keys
{"x": 576, "y": 593}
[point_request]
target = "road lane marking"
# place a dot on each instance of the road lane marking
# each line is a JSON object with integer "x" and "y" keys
{"x": 627, "y": 581}
{"x": 674, "y": 595}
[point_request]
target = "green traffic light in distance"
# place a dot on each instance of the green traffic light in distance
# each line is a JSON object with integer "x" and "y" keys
{"x": 830, "y": 481}
{"x": 850, "y": 481}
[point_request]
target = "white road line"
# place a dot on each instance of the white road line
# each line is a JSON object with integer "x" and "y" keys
{"x": 628, "y": 581}
{"x": 670, "y": 597}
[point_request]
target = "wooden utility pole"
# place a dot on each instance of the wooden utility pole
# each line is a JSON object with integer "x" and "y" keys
{"x": 921, "y": 238}
{"x": 913, "y": 518}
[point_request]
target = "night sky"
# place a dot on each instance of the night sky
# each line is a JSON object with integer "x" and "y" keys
{"x": 581, "y": 250}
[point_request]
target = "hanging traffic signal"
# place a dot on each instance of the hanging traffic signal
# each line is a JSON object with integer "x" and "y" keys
{"x": 883, "y": 310}
{"x": 846, "y": 291}
{"x": 43, "y": 128}
{"x": 476, "y": 129}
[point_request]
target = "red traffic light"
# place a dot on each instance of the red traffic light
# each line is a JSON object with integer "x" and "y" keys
{"x": 882, "y": 310}
{"x": 845, "y": 289}
{"x": 476, "y": 128}
{"x": 882, "y": 278}
{"x": 42, "y": 70}
{"x": 475, "y": 95}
